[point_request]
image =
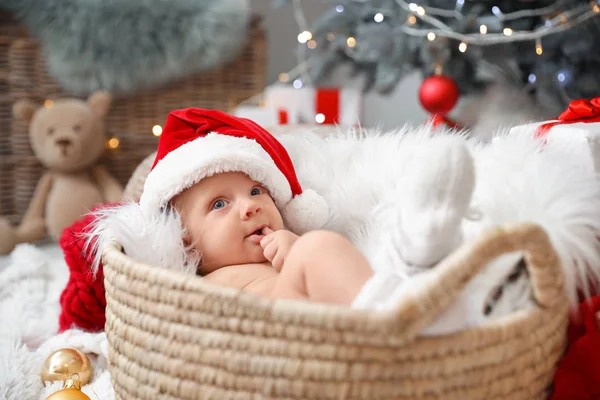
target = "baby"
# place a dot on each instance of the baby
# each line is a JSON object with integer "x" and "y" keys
{"x": 234, "y": 224}
{"x": 222, "y": 192}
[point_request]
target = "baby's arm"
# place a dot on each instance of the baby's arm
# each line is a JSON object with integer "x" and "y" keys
{"x": 322, "y": 266}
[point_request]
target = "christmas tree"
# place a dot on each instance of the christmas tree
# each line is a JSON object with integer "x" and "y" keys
{"x": 549, "y": 48}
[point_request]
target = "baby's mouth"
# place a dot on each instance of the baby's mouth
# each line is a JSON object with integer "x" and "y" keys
{"x": 257, "y": 234}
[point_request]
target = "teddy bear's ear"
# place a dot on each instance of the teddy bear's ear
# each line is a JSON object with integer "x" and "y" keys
{"x": 99, "y": 102}
{"x": 24, "y": 110}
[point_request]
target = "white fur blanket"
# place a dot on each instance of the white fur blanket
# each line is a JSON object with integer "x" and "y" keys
{"x": 31, "y": 281}
{"x": 554, "y": 186}
{"x": 515, "y": 182}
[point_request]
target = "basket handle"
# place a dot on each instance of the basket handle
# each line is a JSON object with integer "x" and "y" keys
{"x": 417, "y": 310}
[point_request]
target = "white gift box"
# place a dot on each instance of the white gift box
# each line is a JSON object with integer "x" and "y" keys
{"x": 341, "y": 106}
{"x": 580, "y": 136}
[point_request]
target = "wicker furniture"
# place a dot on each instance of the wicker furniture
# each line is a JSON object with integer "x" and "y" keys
{"x": 131, "y": 120}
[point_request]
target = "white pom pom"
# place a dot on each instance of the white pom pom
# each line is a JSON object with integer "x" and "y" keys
{"x": 306, "y": 212}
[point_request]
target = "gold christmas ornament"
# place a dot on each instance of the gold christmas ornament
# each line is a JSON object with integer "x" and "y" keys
{"x": 70, "y": 391}
{"x": 63, "y": 363}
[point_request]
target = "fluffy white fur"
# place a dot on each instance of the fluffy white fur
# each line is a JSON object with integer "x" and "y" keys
{"x": 155, "y": 238}
{"x": 357, "y": 172}
{"x": 30, "y": 286}
{"x": 517, "y": 180}
{"x": 207, "y": 156}
{"x": 555, "y": 186}
{"x": 306, "y": 212}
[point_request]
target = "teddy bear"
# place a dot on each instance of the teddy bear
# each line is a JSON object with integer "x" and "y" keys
{"x": 67, "y": 137}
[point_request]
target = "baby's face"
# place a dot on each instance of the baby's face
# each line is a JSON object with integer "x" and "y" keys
{"x": 224, "y": 215}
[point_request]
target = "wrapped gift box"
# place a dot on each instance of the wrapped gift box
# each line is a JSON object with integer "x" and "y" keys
{"x": 340, "y": 106}
{"x": 578, "y": 127}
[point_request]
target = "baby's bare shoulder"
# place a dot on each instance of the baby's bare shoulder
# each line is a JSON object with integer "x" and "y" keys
{"x": 256, "y": 278}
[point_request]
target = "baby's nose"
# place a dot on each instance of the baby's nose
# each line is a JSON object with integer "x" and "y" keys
{"x": 249, "y": 209}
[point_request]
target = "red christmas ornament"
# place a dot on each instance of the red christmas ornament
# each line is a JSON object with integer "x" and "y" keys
{"x": 439, "y": 94}
{"x": 437, "y": 119}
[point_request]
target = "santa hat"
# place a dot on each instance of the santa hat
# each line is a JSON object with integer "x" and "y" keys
{"x": 196, "y": 144}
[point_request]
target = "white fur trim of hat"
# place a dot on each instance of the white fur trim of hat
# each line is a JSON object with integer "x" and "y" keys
{"x": 196, "y": 144}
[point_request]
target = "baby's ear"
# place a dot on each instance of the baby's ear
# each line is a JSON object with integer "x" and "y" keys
{"x": 100, "y": 102}
{"x": 192, "y": 252}
{"x": 187, "y": 242}
{"x": 24, "y": 110}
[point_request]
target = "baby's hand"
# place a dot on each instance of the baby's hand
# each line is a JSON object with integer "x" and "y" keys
{"x": 276, "y": 246}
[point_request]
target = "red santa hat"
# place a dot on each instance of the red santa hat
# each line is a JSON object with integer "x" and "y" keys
{"x": 197, "y": 143}
{"x": 194, "y": 145}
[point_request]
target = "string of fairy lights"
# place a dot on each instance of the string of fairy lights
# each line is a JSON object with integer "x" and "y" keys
{"x": 556, "y": 21}
{"x": 114, "y": 142}
{"x": 560, "y": 23}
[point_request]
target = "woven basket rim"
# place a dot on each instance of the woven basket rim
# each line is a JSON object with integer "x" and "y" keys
{"x": 412, "y": 315}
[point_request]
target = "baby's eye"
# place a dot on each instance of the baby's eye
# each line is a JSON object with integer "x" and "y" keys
{"x": 256, "y": 191}
{"x": 218, "y": 204}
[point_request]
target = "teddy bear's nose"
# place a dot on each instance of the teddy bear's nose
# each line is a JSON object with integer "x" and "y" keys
{"x": 63, "y": 142}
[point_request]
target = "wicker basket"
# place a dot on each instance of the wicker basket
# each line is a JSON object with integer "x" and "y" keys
{"x": 176, "y": 337}
{"x": 23, "y": 76}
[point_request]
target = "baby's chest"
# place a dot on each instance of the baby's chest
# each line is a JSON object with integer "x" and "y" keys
{"x": 257, "y": 279}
